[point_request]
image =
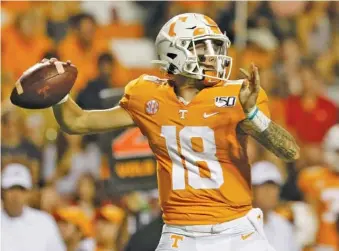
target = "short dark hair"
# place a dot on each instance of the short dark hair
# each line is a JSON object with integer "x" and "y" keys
{"x": 105, "y": 57}
{"x": 75, "y": 20}
{"x": 51, "y": 54}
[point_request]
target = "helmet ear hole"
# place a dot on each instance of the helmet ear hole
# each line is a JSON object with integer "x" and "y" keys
{"x": 171, "y": 55}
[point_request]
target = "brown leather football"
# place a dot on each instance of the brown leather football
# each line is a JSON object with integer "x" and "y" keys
{"x": 44, "y": 85}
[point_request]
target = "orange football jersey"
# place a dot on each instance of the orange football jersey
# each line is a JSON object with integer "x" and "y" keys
{"x": 321, "y": 186}
{"x": 203, "y": 171}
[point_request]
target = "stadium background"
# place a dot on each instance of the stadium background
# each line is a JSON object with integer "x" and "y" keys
{"x": 295, "y": 45}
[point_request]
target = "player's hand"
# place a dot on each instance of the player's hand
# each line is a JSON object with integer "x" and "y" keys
{"x": 53, "y": 60}
{"x": 250, "y": 88}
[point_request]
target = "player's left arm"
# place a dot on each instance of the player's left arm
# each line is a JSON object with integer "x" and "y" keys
{"x": 269, "y": 134}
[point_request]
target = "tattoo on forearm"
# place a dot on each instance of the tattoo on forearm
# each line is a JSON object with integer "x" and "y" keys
{"x": 275, "y": 138}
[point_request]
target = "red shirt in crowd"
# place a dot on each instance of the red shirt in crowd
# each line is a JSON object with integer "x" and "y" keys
{"x": 310, "y": 124}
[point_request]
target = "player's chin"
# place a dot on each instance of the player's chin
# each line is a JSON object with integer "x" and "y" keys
{"x": 210, "y": 78}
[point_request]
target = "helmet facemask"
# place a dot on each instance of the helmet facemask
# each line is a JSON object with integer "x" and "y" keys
{"x": 206, "y": 59}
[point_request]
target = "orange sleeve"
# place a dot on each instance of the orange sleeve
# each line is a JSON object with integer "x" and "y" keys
{"x": 304, "y": 182}
{"x": 262, "y": 103}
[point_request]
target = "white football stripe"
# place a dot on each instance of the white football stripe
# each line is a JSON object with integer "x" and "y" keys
{"x": 59, "y": 67}
{"x": 18, "y": 87}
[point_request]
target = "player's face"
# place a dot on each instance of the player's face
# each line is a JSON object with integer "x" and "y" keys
{"x": 87, "y": 29}
{"x": 105, "y": 69}
{"x": 206, "y": 48}
{"x": 266, "y": 196}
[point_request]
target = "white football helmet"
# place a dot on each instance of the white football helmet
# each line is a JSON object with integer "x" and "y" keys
{"x": 179, "y": 51}
{"x": 331, "y": 147}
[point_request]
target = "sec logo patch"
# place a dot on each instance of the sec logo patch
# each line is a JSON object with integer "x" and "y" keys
{"x": 152, "y": 107}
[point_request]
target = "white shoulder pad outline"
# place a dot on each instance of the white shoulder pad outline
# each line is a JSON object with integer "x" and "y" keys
{"x": 234, "y": 82}
{"x": 154, "y": 79}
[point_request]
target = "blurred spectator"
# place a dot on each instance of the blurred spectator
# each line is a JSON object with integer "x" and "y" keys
{"x": 314, "y": 28}
{"x": 284, "y": 15}
{"x": 50, "y": 200}
{"x": 304, "y": 220}
{"x": 154, "y": 204}
{"x": 26, "y": 35}
{"x": 22, "y": 227}
{"x": 74, "y": 159}
{"x": 157, "y": 14}
{"x": 147, "y": 238}
{"x": 15, "y": 145}
{"x": 266, "y": 181}
{"x": 109, "y": 12}
{"x": 75, "y": 228}
{"x": 226, "y": 19}
{"x": 82, "y": 48}
{"x": 272, "y": 88}
{"x": 309, "y": 115}
{"x": 290, "y": 190}
{"x": 287, "y": 9}
{"x": 107, "y": 224}
{"x": 90, "y": 97}
{"x": 320, "y": 185}
{"x": 58, "y": 13}
{"x": 287, "y": 65}
{"x": 258, "y": 15}
{"x": 85, "y": 194}
{"x": 260, "y": 48}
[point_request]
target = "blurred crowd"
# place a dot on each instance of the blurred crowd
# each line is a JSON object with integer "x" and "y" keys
{"x": 294, "y": 44}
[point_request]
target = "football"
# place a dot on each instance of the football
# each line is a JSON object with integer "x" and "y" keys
{"x": 44, "y": 85}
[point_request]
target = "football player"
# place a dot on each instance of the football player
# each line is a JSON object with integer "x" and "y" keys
{"x": 320, "y": 185}
{"x": 197, "y": 123}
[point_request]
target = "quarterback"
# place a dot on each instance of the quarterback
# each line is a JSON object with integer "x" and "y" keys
{"x": 197, "y": 123}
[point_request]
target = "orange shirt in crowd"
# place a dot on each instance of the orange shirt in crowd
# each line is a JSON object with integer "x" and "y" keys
{"x": 19, "y": 53}
{"x": 262, "y": 58}
{"x": 277, "y": 105}
{"x": 84, "y": 60}
{"x": 321, "y": 188}
{"x": 16, "y": 6}
{"x": 203, "y": 170}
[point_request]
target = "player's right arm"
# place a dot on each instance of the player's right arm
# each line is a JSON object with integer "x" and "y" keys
{"x": 74, "y": 120}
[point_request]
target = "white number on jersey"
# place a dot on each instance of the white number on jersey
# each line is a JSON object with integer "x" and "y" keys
{"x": 191, "y": 157}
{"x": 331, "y": 197}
